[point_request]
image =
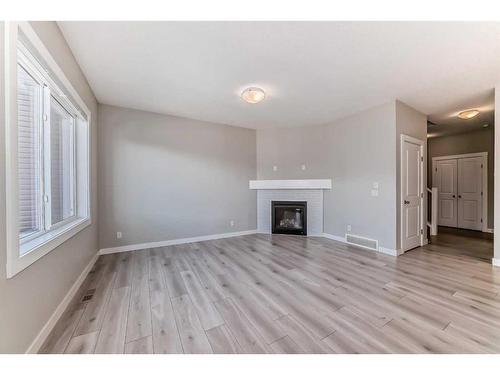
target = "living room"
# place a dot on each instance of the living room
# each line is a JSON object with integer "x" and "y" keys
{"x": 237, "y": 187}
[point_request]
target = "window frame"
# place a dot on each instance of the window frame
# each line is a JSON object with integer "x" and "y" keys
{"x": 22, "y": 252}
{"x": 48, "y": 96}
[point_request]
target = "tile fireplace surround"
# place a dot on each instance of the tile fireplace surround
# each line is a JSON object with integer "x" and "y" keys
{"x": 310, "y": 191}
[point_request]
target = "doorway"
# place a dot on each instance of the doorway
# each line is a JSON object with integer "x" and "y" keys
{"x": 462, "y": 190}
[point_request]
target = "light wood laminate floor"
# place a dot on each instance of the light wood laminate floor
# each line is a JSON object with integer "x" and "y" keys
{"x": 283, "y": 294}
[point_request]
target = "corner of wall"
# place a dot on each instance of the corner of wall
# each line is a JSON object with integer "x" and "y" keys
{"x": 411, "y": 122}
{"x": 23, "y": 292}
{"x": 496, "y": 241}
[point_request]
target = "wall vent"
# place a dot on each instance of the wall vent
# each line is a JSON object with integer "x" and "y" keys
{"x": 364, "y": 242}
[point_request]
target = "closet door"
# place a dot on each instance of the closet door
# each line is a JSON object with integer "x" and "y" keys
{"x": 470, "y": 182}
{"x": 446, "y": 182}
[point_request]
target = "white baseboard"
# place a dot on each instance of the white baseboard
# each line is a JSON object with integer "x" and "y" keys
{"x": 179, "y": 241}
{"x": 49, "y": 326}
{"x": 333, "y": 237}
{"x": 489, "y": 230}
{"x": 388, "y": 251}
{"x": 381, "y": 249}
{"x": 496, "y": 262}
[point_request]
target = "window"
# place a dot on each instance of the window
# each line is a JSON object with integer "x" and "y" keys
{"x": 48, "y": 154}
{"x": 46, "y": 149}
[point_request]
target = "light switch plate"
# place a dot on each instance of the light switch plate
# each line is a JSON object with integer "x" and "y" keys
{"x": 275, "y": 168}
{"x": 374, "y": 193}
{"x": 375, "y": 185}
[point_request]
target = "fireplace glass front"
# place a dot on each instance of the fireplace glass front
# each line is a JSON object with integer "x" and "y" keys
{"x": 289, "y": 217}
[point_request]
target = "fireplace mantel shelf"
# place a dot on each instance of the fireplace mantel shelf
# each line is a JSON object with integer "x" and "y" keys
{"x": 290, "y": 184}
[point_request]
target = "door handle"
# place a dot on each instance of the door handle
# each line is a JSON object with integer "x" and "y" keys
{"x": 459, "y": 196}
{"x": 407, "y": 202}
{"x": 454, "y": 196}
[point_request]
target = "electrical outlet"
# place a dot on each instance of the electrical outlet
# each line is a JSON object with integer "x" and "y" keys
{"x": 303, "y": 167}
{"x": 348, "y": 227}
{"x": 118, "y": 235}
{"x": 231, "y": 223}
{"x": 275, "y": 168}
{"x": 374, "y": 193}
{"x": 375, "y": 185}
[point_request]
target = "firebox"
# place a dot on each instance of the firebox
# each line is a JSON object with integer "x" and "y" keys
{"x": 289, "y": 217}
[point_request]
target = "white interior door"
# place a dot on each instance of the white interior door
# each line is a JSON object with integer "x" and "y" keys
{"x": 470, "y": 181}
{"x": 445, "y": 178}
{"x": 411, "y": 189}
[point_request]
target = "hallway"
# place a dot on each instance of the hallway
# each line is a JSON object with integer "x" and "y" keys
{"x": 463, "y": 243}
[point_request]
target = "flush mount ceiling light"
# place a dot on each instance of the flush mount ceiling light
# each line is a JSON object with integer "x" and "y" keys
{"x": 466, "y": 115}
{"x": 253, "y": 95}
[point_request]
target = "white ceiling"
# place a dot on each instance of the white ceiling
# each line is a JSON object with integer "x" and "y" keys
{"x": 447, "y": 122}
{"x": 313, "y": 72}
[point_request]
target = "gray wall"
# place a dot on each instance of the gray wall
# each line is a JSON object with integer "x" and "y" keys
{"x": 414, "y": 124}
{"x": 164, "y": 177}
{"x": 30, "y": 298}
{"x": 354, "y": 152}
{"x": 465, "y": 143}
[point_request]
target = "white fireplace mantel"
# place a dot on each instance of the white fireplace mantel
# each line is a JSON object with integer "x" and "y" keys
{"x": 290, "y": 184}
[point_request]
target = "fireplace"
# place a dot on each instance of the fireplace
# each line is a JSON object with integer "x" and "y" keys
{"x": 289, "y": 217}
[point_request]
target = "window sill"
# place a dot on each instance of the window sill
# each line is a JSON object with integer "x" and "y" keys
{"x": 35, "y": 249}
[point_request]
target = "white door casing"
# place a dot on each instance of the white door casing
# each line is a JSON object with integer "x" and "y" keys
{"x": 470, "y": 187}
{"x": 412, "y": 158}
{"x": 446, "y": 182}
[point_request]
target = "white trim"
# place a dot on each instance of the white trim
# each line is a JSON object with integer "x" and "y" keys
{"x": 32, "y": 36}
{"x": 334, "y": 237}
{"x": 484, "y": 155}
{"x": 15, "y": 263}
{"x": 433, "y": 224}
{"x": 61, "y": 308}
{"x": 11, "y": 191}
{"x": 383, "y": 250}
{"x": 179, "y": 241}
{"x": 495, "y": 262}
{"x": 423, "y": 224}
{"x": 460, "y": 156}
{"x": 363, "y": 238}
{"x": 290, "y": 184}
{"x": 56, "y": 239}
{"x": 489, "y": 230}
{"x": 387, "y": 251}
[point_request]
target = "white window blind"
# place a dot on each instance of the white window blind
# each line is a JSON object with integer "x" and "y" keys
{"x": 29, "y": 94}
